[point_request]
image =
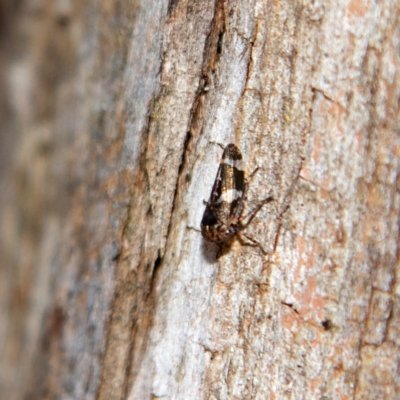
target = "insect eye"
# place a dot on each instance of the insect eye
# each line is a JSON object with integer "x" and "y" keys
{"x": 209, "y": 219}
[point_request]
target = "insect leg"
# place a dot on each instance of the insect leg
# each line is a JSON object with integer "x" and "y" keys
{"x": 246, "y": 183}
{"x": 255, "y": 211}
{"x": 218, "y": 255}
{"x": 218, "y": 144}
{"x": 254, "y": 242}
{"x": 251, "y": 176}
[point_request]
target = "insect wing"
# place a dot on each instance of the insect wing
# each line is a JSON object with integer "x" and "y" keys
{"x": 233, "y": 183}
{"x": 227, "y": 194}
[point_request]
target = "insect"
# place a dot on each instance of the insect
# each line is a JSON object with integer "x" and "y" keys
{"x": 222, "y": 218}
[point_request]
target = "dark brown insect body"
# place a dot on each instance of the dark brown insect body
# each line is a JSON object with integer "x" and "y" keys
{"x": 223, "y": 214}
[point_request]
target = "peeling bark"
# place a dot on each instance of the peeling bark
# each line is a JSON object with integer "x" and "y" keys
{"x": 113, "y": 116}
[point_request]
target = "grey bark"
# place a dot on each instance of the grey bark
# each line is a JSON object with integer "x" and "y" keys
{"x": 113, "y": 114}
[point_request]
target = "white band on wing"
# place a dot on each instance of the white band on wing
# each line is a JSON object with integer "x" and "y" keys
{"x": 233, "y": 163}
{"x": 229, "y": 196}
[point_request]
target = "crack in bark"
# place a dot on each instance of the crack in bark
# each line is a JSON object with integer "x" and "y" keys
{"x": 172, "y": 4}
{"x": 211, "y": 54}
{"x": 209, "y": 61}
{"x": 177, "y": 185}
{"x": 372, "y": 126}
{"x": 123, "y": 285}
{"x": 290, "y": 305}
{"x": 278, "y": 232}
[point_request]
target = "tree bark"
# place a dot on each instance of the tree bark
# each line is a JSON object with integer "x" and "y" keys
{"x": 113, "y": 117}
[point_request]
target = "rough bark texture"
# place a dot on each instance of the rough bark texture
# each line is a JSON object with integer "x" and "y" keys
{"x": 112, "y": 113}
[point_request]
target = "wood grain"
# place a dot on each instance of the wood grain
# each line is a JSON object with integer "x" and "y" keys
{"x": 114, "y": 116}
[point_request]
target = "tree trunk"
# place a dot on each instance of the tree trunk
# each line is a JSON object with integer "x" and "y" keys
{"x": 113, "y": 117}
